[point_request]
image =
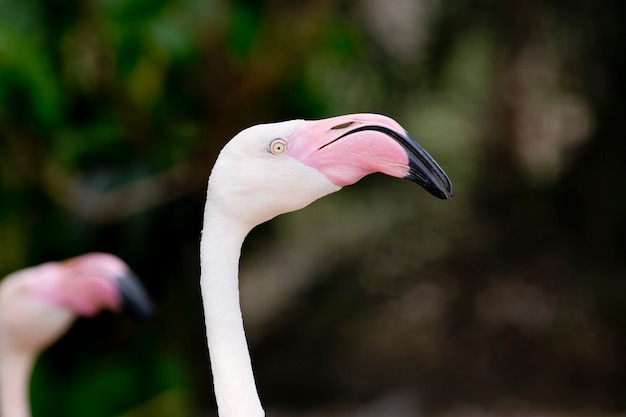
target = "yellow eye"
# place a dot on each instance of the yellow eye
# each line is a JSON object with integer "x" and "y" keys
{"x": 278, "y": 146}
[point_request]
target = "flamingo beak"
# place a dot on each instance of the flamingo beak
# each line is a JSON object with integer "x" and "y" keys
{"x": 134, "y": 296}
{"x": 423, "y": 169}
{"x": 347, "y": 148}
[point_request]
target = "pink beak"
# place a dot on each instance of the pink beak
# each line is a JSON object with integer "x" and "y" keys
{"x": 347, "y": 148}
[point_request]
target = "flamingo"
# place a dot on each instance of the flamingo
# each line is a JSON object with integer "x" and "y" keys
{"x": 39, "y": 304}
{"x": 271, "y": 169}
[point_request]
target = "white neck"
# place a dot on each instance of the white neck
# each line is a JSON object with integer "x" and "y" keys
{"x": 220, "y": 248}
{"x": 15, "y": 371}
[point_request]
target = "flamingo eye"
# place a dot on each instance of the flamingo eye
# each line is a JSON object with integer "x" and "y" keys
{"x": 278, "y": 146}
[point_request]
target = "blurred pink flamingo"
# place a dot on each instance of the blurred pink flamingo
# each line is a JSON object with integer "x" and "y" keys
{"x": 39, "y": 304}
{"x": 270, "y": 169}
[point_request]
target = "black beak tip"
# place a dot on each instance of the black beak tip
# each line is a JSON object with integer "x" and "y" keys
{"x": 134, "y": 296}
{"x": 442, "y": 193}
{"x": 432, "y": 179}
{"x": 425, "y": 171}
{"x": 445, "y": 191}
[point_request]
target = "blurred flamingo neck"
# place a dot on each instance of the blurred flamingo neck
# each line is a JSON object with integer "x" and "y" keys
{"x": 220, "y": 248}
{"x": 15, "y": 371}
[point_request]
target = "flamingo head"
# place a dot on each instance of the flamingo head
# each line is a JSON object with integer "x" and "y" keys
{"x": 38, "y": 304}
{"x": 270, "y": 169}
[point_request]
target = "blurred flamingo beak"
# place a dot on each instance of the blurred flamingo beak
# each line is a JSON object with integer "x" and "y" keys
{"x": 134, "y": 297}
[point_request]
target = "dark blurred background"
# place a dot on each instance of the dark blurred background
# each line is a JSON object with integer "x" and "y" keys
{"x": 379, "y": 300}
